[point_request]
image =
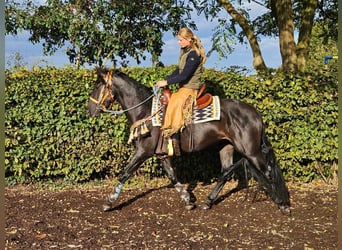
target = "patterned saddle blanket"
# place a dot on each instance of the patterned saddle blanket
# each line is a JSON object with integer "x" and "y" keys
{"x": 209, "y": 113}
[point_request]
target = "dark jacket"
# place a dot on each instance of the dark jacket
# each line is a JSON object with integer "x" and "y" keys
{"x": 189, "y": 70}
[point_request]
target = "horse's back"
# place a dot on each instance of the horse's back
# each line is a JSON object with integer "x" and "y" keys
{"x": 240, "y": 110}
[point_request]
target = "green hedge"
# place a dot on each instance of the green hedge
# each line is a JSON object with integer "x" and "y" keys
{"x": 48, "y": 133}
{"x": 301, "y": 114}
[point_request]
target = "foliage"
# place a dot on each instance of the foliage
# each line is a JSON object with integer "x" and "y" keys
{"x": 270, "y": 21}
{"x": 319, "y": 50}
{"x": 49, "y": 134}
{"x": 302, "y": 122}
{"x": 326, "y": 13}
{"x": 97, "y": 31}
{"x": 327, "y": 19}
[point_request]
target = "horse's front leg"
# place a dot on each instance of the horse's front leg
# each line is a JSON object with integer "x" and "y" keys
{"x": 134, "y": 164}
{"x": 182, "y": 190}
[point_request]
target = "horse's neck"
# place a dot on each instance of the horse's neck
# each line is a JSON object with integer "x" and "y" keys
{"x": 129, "y": 97}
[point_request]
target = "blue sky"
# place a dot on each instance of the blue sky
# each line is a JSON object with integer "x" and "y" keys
{"x": 241, "y": 56}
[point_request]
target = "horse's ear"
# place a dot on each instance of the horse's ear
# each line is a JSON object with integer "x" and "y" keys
{"x": 98, "y": 70}
{"x": 103, "y": 74}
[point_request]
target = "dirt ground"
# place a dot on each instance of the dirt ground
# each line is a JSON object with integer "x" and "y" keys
{"x": 154, "y": 218}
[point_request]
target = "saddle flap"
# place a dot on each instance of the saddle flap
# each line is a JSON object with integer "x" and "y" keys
{"x": 165, "y": 97}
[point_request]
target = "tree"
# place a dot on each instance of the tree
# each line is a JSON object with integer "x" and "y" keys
{"x": 258, "y": 61}
{"x": 305, "y": 32}
{"x": 96, "y": 31}
{"x": 281, "y": 18}
{"x": 301, "y": 16}
{"x": 320, "y": 50}
{"x": 283, "y": 14}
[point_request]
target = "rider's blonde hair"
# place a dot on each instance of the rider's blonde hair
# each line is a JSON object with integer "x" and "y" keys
{"x": 196, "y": 43}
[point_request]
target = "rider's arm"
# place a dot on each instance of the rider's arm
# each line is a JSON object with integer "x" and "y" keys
{"x": 192, "y": 62}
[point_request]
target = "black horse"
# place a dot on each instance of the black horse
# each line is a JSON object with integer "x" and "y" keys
{"x": 240, "y": 130}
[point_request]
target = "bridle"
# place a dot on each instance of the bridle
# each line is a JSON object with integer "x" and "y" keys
{"x": 103, "y": 96}
{"x": 105, "y": 93}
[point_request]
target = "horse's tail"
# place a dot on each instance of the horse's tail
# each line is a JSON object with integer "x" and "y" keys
{"x": 279, "y": 192}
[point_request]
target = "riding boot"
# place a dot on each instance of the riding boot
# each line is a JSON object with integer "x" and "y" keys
{"x": 176, "y": 144}
{"x": 162, "y": 146}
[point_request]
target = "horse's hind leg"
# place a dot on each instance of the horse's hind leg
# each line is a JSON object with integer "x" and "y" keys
{"x": 226, "y": 157}
{"x": 182, "y": 190}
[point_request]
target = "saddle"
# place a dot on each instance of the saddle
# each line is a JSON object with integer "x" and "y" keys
{"x": 172, "y": 146}
{"x": 202, "y": 100}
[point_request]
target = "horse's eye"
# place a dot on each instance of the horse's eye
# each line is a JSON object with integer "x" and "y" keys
{"x": 107, "y": 102}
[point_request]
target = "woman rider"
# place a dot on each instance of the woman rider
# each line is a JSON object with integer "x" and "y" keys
{"x": 187, "y": 75}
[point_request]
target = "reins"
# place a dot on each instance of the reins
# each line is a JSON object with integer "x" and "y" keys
{"x": 156, "y": 93}
{"x": 100, "y": 105}
{"x": 119, "y": 112}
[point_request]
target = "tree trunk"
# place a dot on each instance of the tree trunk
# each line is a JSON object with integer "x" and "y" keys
{"x": 303, "y": 46}
{"x": 258, "y": 61}
{"x": 282, "y": 10}
{"x": 78, "y": 60}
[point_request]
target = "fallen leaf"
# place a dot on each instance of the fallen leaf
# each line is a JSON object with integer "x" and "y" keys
{"x": 41, "y": 236}
{"x": 73, "y": 211}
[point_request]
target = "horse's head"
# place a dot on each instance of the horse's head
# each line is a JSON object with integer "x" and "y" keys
{"x": 102, "y": 97}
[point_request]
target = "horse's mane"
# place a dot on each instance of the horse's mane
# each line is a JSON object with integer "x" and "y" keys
{"x": 140, "y": 88}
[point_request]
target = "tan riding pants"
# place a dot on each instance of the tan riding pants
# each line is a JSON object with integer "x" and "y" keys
{"x": 178, "y": 109}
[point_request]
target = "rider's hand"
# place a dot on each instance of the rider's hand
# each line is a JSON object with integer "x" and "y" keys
{"x": 161, "y": 83}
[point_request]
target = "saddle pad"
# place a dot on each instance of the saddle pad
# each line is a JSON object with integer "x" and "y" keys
{"x": 209, "y": 113}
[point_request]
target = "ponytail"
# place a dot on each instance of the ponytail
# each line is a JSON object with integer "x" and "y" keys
{"x": 197, "y": 46}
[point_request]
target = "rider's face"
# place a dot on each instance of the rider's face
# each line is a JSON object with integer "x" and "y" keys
{"x": 183, "y": 42}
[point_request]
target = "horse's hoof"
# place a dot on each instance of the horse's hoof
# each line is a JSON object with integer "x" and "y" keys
{"x": 107, "y": 206}
{"x": 190, "y": 206}
{"x": 205, "y": 206}
{"x": 286, "y": 210}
